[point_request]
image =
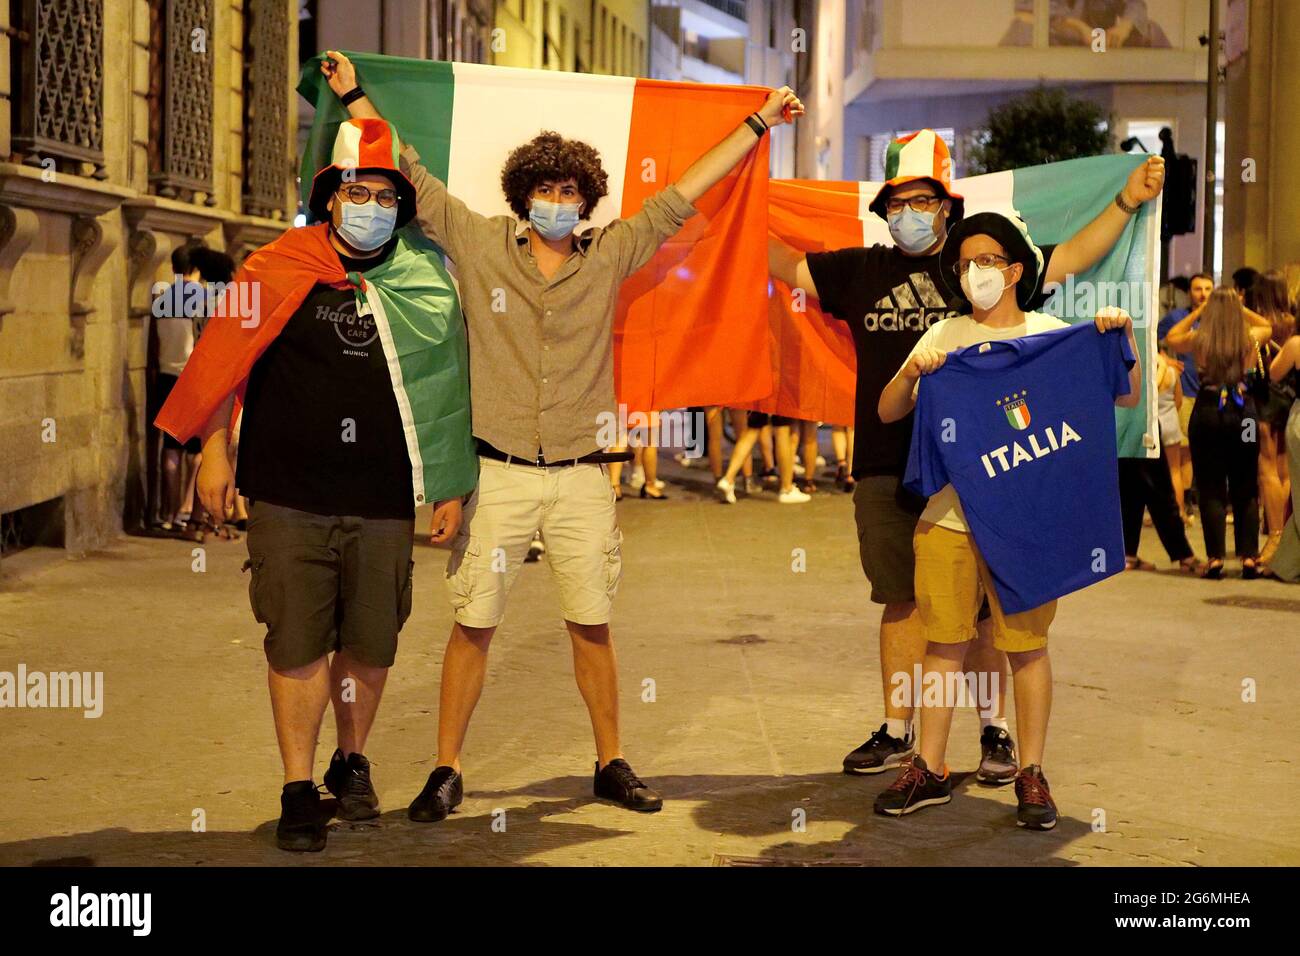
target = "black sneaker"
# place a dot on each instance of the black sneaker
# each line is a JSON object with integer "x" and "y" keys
{"x": 916, "y": 787}
{"x": 442, "y": 793}
{"x": 879, "y": 753}
{"x": 1035, "y": 810}
{"x": 998, "y": 757}
{"x": 349, "y": 781}
{"x": 302, "y": 825}
{"x": 618, "y": 782}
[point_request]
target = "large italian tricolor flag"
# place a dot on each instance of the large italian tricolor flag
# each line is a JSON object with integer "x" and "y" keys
{"x": 813, "y": 357}
{"x": 688, "y": 319}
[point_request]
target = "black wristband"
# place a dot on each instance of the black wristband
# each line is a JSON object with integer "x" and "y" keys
{"x": 352, "y": 95}
{"x": 755, "y": 122}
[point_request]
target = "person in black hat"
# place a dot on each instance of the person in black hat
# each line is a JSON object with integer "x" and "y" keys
{"x": 992, "y": 265}
{"x": 888, "y": 295}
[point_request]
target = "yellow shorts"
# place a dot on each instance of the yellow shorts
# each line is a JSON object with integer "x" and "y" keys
{"x": 952, "y": 581}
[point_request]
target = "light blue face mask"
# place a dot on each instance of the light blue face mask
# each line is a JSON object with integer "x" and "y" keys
{"x": 912, "y": 230}
{"x": 367, "y": 225}
{"x": 553, "y": 220}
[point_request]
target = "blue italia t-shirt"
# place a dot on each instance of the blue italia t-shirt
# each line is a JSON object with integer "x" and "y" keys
{"x": 1024, "y": 431}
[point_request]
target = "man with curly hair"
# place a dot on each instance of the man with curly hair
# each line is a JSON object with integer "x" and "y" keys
{"x": 539, "y": 298}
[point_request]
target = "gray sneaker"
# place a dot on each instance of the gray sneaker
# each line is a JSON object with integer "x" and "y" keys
{"x": 998, "y": 764}
{"x": 881, "y": 752}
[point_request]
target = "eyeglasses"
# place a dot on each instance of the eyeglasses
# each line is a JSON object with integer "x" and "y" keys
{"x": 358, "y": 193}
{"x": 923, "y": 203}
{"x": 985, "y": 260}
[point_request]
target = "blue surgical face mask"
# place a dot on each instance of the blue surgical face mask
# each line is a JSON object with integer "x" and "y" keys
{"x": 913, "y": 231}
{"x": 367, "y": 225}
{"x": 554, "y": 220}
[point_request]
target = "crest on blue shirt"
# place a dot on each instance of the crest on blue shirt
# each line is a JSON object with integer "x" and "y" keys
{"x": 1016, "y": 409}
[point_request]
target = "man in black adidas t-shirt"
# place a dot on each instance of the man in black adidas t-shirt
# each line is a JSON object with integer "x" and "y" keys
{"x": 889, "y": 296}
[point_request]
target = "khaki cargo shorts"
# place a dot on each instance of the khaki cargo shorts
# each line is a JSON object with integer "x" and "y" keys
{"x": 572, "y": 506}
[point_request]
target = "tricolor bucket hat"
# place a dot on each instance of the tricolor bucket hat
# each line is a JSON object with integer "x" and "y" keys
{"x": 366, "y": 146}
{"x": 919, "y": 155}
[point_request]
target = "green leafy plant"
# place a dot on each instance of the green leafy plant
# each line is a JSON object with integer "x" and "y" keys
{"x": 1044, "y": 125}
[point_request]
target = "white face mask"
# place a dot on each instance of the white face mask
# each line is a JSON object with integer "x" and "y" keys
{"x": 983, "y": 287}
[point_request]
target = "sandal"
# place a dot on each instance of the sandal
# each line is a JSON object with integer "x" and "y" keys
{"x": 1213, "y": 570}
{"x": 1137, "y": 564}
{"x": 1192, "y": 565}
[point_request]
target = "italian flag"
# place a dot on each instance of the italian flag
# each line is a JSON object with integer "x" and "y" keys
{"x": 683, "y": 319}
{"x": 813, "y": 358}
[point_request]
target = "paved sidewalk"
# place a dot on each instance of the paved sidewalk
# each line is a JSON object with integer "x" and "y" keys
{"x": 763, "y": 679}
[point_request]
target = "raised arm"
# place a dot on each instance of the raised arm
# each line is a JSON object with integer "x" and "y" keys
{"x": 1082, "y": 250}
{"x": 1287, "y": 359}
{"x": 782, "y": 106}
{"x": 1182, "y": 335}
{"x": 1261, "y": 329}
{"x": 440, "y": 216}
{"x": 788, "y": 264}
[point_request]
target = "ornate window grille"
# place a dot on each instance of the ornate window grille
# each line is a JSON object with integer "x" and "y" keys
{"x": 266, "y": 65}
{"x": 57, "y": 65}
{"x": 180, "y": 97}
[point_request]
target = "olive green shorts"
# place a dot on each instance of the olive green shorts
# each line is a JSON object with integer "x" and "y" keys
{"x": 324, "y": 583}
{"x": 885, "y": 530}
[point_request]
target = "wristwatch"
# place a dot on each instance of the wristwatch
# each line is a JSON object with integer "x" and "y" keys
{"x": 1119, "y": 201}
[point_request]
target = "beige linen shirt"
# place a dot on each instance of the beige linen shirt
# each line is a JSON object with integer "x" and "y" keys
{"x": 541, "y": 352}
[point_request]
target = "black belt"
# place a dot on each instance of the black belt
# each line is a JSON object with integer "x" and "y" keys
{"x": 595, "y": 458}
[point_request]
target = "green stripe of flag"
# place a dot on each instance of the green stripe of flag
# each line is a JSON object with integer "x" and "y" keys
{"x": 423, "y": 121}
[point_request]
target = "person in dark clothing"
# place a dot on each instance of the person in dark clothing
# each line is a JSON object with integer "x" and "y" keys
{"x": 1145, "y": 485}
{"x": 1224, "y": 425}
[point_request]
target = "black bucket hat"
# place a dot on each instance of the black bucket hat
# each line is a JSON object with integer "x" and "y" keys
{"x": 1011, "y": 233}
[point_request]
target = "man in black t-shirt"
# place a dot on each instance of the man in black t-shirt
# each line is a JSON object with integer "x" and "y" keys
{"x": 327, "y": 465}
{"x": 889, "y": 296}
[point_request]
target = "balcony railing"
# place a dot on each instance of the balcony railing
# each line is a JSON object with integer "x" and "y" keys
{"x": 58, "y": 65}
{"x": 180, "y": 97}
{"x": 732, "y": 8}
{"x": 266, "y": 63}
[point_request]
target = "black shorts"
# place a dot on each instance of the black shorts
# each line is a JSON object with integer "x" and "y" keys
{"x": 324, "y": 583}
{"x": 760, "y": 419}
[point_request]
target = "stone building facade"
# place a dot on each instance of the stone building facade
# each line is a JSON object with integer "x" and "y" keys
{"x": 127, "y": 128}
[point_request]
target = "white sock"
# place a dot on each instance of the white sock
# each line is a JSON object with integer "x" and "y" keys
{"x": 898, "y": 727}
{"x": 999, "y": 722}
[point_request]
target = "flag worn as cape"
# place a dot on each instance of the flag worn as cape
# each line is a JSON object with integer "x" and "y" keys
{"x": 421, "y": 330}
{"x": 813, "y": 357}
{"x": 684, "y": 318}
